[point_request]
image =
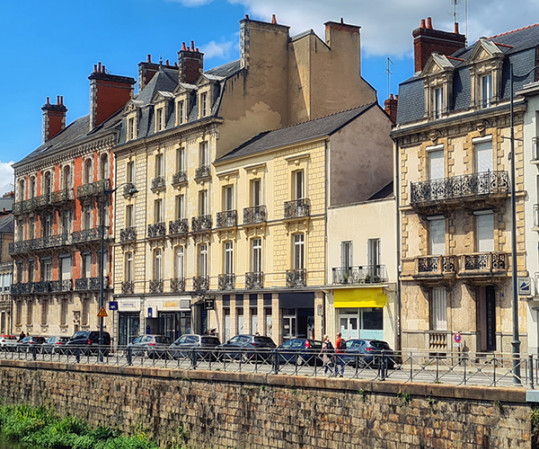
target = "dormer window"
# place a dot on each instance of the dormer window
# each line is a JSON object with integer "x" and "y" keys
{"x": 180, "y": 111}
{"x": 438, "y": 85}
{"x": 131, "y": 129}
{"x": 486, "y": 90}
{"x": 204, "y": 104}
{"x": 437, "y": 102}
{"x": 159, "y": 120}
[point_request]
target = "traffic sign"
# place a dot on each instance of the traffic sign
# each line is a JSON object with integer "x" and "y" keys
{"x": 113, "y": 305}
{"x": 102, "y": 313}
{"x": 457, "y": 337}
{"x": 524, "y": 286}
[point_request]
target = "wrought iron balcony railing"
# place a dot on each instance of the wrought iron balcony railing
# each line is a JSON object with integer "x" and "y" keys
{"x": 62, "y": 286}
{"x": 440, "y": 265}
{"x": 22, "y": 288}
{"x": 254, "y": 280}
{"x": 63, "y": 196}
{"x": 128, "y": 287}
{"x": 363, "y": 274}
{"x": 227, "y": 219}
{"x": 201, "y": 224}
{"x": 484, "y": 263}
{"x": 227, "y": 281}
{"x": 91, "y": 283}
{"x": 202, "y": 172}
{"x": 254, "y": 215}
{"x": 88, "y": 235}
{"x": 201, "y": 283}
{"x": 177, "y": 285}
{"x": 128, "y": 234}
{"x": 158, "y": 183}
{"x": 93, "y": 189}
{"x": 296, "y": 278}
{"x": 460, "y": 187}
{"x": 42, "y": 243}
{"x": 157, "y": 230}
{"x": 297, "y": 208}
{"x": 156, "y": 285}
{"x": 42, "y": 287}
{"x": 179, "y": 178}
{"x": 178, "y": 227}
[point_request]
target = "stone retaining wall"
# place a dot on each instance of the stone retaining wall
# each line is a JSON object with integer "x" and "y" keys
{"x": 235, "y": 410}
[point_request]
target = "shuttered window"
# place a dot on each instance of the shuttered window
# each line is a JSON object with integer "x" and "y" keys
{"x": 439, "y": 309}
{"x": 436, "y": 164}
{"x": 437, "y": 236}
{"x": 485, "y": 232}
{"x": 483, "y": 157}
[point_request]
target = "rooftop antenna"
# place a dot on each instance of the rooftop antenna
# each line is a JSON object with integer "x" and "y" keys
{"x": 388, "y": 70}
{"x": 455, "y": 3}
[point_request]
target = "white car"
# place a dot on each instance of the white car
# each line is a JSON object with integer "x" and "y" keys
{"x": 8, "y": 342}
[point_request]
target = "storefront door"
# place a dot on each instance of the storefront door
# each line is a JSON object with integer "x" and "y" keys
{"x": 289, "y": 326}
{"x": 348, "y": 326}
{"x": 129, "y": 327}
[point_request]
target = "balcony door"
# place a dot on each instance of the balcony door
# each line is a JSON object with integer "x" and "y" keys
{"x": 436, "y": 163}
{"x": 485, "y": 231}
{"x": 437, "y": 235}
{"x": 483, "y": 156}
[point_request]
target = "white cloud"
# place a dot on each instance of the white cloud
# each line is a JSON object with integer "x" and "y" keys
{"x": 220, "y": 50}
{"x": 6, "y": 177}
{"x": 386, "y": 25}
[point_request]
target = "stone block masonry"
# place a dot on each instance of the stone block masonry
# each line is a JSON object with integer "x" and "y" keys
{"x": 214, "y": 410}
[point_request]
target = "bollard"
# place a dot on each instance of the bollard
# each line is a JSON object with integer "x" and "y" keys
{"x": 77, "y": 355}
{"x": 530, "y": 363}
{"x": 34, "y": 353}
{"x": 383, "y": 366}
{"x": 275, "y": 361}
{"x": 194, "y": 359}
{"x": 129, "y": 356}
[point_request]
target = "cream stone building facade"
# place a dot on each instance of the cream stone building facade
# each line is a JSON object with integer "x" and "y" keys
{"x": 362, "y": 269}
{"x": 172, "y": 263}
{"x": 452, "y": 140}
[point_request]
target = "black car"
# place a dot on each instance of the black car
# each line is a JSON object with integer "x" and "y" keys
{"x": 247, "y": 347}
{"x": 300, "y": 351}
{"x": 368, "y": 353}
{"x": 52, "y": 345}
{"x": 27, "y": 343}
{"x": 87, "y": 342}
{"x": 204, "y": 345}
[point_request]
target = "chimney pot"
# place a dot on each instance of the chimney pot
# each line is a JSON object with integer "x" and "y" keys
{"x": 456, "y": 28}
{"x": 273, "y": 19}
{"x": 192, "y": 45}
{"x": 103, "y": 68}
{"x": 246, "y": 16}
{"x": 95, "y": 68}
{"x": 422, "y": 23}
{"x": 99, "y": 67}
{"x": 342, "y": 20}
{"x": 48, "y": 100}
{"x": 197, "y": 50}
{"x": 57, "y": 99}
{"x": 167, "y": 63}
{"x": 149, "y": 58}
{"x": 183, "y": 46}
{"x": 429, "y": 23}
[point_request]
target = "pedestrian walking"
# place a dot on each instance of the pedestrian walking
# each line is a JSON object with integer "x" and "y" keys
{"x": 340, "y": 348}
{"x": 326, "y": 354}
{"x": 21, "y": 336}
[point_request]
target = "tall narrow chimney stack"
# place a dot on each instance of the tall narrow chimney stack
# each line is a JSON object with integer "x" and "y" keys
{"x": 54, "y": 118}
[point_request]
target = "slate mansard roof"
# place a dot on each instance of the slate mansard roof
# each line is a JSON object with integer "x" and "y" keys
{"x": 165, "y": 82}
{"x": 519, "y": 49}
{"x": 313, "y": 129}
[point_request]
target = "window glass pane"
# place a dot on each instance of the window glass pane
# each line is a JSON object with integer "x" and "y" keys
{"x": 437, "y": 236}
{"x": 485, "y": 232}
{"x": 483, "y": 157}
{"x": 439, "y": 308}
{"x": 373, "y": 319}
{"x": 436, "y": 164}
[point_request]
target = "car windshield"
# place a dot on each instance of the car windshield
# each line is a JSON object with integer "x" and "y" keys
{"x": 379, "y": 344}
{"x": 210, "y": 340}
{"x": 265, "y": 340}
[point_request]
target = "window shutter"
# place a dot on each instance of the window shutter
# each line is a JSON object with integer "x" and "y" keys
{"x": 439, "y": 309}
{"x": 485, "y": 233}
{"x": 483, "y": 157}
{"x": 437, "y": 236}
{"x": 436, "y": 165}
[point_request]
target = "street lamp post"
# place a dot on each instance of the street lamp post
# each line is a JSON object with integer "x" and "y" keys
{"x": 105, "y": 195}
{"x": 514, "y": 282}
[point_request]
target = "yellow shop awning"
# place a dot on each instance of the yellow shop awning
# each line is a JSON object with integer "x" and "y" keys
{"x": 359, "y": 297}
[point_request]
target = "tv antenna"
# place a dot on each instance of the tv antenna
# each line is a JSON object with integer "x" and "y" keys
{"x": 388, "y": 71}
{"x": 455, "y": 3}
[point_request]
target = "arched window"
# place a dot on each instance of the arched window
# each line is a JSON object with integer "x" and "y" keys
{"x": 32, "y": 187}
{"x": 66, "y": 180}
{"x": 87, "y": 172}
{"x": 47, "y": 183}
{"x": 21, "y": 190}
{"x": 104, "y": 167}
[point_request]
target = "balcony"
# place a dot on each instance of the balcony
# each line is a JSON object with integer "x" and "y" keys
{"x": 178, "y": 227}
{"x": 128, "y": 287}
{"x": 483, "y": 265}
{"x": 42, "y": 201}
{"x": 92, "y": 235}
{"x": 158, "y": 184}
{"x": 179, "y": 178}
{"x": 254, "y": 215}
{"x": 201, "y": 283}
{"x": 43, "y": 243}
{"x": 24, "y": 206}
{"x": 129, "y": 189}
{"x": 227, "y": 281}
{"x": 157, "y": 230}
{"x": 156, "y": 286}
{"x": 202, "y": 172}
{"x": 297, "y": 209}
{"x": 93, "y": 189}
{"x": 489, "y": 187}
{"x": 254, "y": 280}
{"x": 19, "y": 247}
{"x": 177, "y": 285}
{"x": 227, "y": 219}
{"x": 363, "y": 274}
{"x": 62, "y": 286}
{"x": 42, "y": 287}
{"x": 201, "y": 224}
{"x": 90, "y": 284}
{"x": 296, "y": 278}
{"x": 63, "y": 196}
{"x": 22, "y": 288}
{"x": 128, "y": 234}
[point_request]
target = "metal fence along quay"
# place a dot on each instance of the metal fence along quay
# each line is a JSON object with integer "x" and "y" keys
{"x": 479, "y": 369}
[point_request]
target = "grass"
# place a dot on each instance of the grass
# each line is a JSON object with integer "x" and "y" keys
{"x": 40, "y": 426}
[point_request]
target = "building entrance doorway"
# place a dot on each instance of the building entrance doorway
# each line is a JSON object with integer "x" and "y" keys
{"x": 487, "y": 318}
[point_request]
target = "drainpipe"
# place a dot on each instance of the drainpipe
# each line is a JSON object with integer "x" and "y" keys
{"x": 326, "y": 202}
{"x": 398, "y": 342}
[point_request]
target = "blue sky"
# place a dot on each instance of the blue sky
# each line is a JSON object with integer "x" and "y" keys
{"x": 50, "y": 47}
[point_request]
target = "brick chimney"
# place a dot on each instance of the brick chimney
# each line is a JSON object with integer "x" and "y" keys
{"x": 190, "y": 64}
{"x": 54, "y": 118}
{"x": 108, "y": 94}
{"x": 390, "y": 106}
{"x": 146, "y": 71}
{"x": 428, "y": 40}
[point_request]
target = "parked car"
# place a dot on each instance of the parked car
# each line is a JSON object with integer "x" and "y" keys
{"x": 368, "y": 353}
{"x": 204, "y": 344}
{"x": 52, "y": 344}
{"x": 27, "y": 343}
{"x": 150, "y": 346}
{"x": 300, "y": 351}
{"x": 247, "y": 347}
{"x": 8, "y": 342}
{"x": 88, "y": 342}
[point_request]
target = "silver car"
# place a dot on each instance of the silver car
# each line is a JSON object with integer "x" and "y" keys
{"x": 154, "y": 346}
